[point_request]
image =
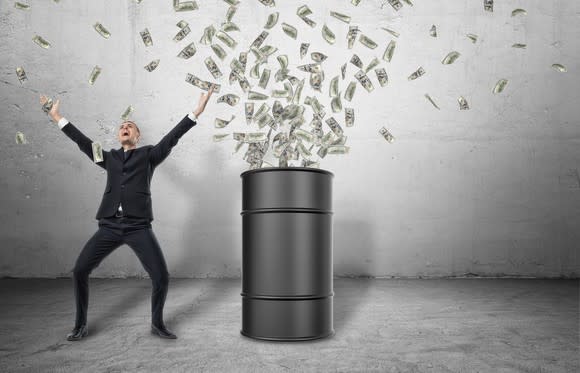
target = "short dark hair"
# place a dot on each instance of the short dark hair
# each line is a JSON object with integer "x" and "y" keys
{"x": 135, "y": 124}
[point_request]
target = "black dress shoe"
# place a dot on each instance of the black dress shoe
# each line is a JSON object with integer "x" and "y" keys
{"x": 162, "y": 332}
{"x": 77, "y": 333}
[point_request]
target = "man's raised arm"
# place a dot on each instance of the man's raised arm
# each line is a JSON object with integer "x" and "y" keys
{"x": 162, "y": 149}
{"x": 84, "y": 143}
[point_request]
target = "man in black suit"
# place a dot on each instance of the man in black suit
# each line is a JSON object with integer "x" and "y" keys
{"x": 125, "y": 213}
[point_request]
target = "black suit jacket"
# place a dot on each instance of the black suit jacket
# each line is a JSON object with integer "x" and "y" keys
{"x": 129, "y": 180}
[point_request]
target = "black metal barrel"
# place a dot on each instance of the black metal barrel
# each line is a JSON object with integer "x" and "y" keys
{"x": 287, "y": 288}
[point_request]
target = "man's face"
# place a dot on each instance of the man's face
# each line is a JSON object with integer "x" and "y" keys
{"x": 128, "y": 133}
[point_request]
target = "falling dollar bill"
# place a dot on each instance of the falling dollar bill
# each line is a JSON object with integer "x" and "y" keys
{"x": 249, "y": 106}
{"x": 386, "y": 134}
{"x": 417, "y": 73}
{"x": 21, "y": 75}
{"x": 519, "y": 45}
{"x": 396, "y": 4}
{"x": 269, "y": 3}
{"x": 328, "y": 35}
{"x": 289, "y": 30}
{"x": 355, "y": 60}
{"x": 349, "y": 116}
{"x": 272, "y": 20}
{"x": 343, "y": 70}
{"x": 152, "y": 65}
{"x": 263, "y": 83}
{"x": 226, "y": 39}
{"x": 182, "y": 24}
{"x": 39, "y": 40}
{"x": 559, "y": 67}
{"x": 499, "y": 86}
{"x": 188, "y": 51}
{"x": 230, "y": 99}
{"x": 367, "y": 42}
{"x": 219, "y": 51}
{"x": 519, "y": 11}
{"x": 318, "y": 56}
{"x": 364, "y": 80}
{"x": 472, "y": 37}
{"x": 336, "y": 104}
{"x": 463, "y": 105}
{"x": 433, "y": 31}
{"x": 349, "y": 93}
{"x": 146, "y": 37}
{"x": 21, "y": 6}
{"x": 382, "y": 76}
{"x": 431, "y": 101}
{"x": 252, "y": 95}
{"x": 259, "y": 39}
{"x": 253, "y": 137}
{"x": 207, "y": 37}
{"x": 193, "y": 80}
{"x": 184, "y": 6}
{"x": 337, "y": 149}
{"x": 334, "y": 126}
{"x": 97, "y": 152}
{"x": 374, "y": 63}
{"x": 127, "y": 112}
{"x": 47, "y": 106}
{"x": 182, "y": 33}
{"x": 351, "y": 36}
{"x": 102, "y": 30}
{"x": 488, "y": 5}
{"x": 220, "y": 137}
{"x": 20, "y": 139}
{"x": 388, "y": 55}
{"x": 343, "y": 17}
{"x": 221, "y": 123}
{"x": 304, "y": 49}
{"x": 392, "y": 32}
{"x": 212, "y": 67}
{"x": 94, "y": 74}
{"x": 333, "y": 91}
{"x": 450, "y": 58}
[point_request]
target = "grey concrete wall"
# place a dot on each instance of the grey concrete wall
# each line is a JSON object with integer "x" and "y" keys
{"x": 491, "y": 191}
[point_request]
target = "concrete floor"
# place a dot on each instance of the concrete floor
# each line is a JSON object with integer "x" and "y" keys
{"x": 455, "y": 325}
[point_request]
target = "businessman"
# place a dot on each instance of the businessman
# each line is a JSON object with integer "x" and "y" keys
{"x": 125, "y": 213}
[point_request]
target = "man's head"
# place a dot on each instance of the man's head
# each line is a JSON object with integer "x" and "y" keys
{"x": 128, "y": 133}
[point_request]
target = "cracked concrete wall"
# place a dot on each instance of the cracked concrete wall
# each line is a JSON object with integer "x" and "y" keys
{"x": 492, "y": 191}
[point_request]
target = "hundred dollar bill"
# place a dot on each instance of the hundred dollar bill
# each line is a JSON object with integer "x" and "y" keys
{"x": 559, "y": 67}
{"x": 289, "y": 30}
{"x": 239, "y": 67}
{"x": 127, "y": 112}
{"x": 263, "y": 109}
{"x": 386, "y": 134}
{"x": 231, "y": 12}
{"x": 263, "y": 83}
{"x": 188, "y": 51}
{"x": 310, "y": 68}
{"x": 374, "y": 63}
{"x": 333, "y": 91}
{"x": 221, "y": 123}
{"x": 392, "y": 32}
{"x": 182, "y": 24}
{"x": 355, "y": 60}
{"x": 226, "y": 39}
{"x": 243, "y": 59}
{"x": 408, "y": 2}
{"x": 230, "y": 26}
{"x": 364, "y": 80}
{"x": 349, "y": 116}
{"x": 472, "y": 37}
{"x": 253, "y": 137}
{"x": 334, "y": 126}
{"x": 181, "y": 34}
{"x": 310, "y": 163}
{"x": 249, "y": 106}
{"x": 499, "y": 86}
{"x": 208, "y": 33}
{"x": 367, "y": 42}
{"x": 305, "y": 153}
{"x": 252, "y": 95}
{"x": 488, "y": 5}
{"x": 194, "y": 80}
{"x": 450, "y": 58}
{"x": 184, "y": 6}
{"x": 47, "y": 105}
{"x": 259, "y": 40}
{"x": 328, "y": 35}
{"x": 303, "y": 11}
{"x": 463, "y": 105}
{"x": 152, "y": 65}
{"x": 355, "y": 2}
{"x": 94, "y": 74}
{"x": 255, "y": 71}
{"x": 304, "y": 49}
{"x": 519, "y": 11}
{"x": 419, "y": 72}
{"x": 349, "y": 93}
{"x": 336, "y": 104}
{"x": 212, "y": 67}
{"x": 269, "y": 3}
{"x": 230, "y": 99}
{"x": 21, "y": 6}
{"x": 431, "y": 101}
{"x": 219, "y": 51}
{"x": 220, "y": 137}
{"x": 304, "y": 135}
{"x": 519, "y": 45}
{"x": 337, "y": 149}
{"x": 308, "y": 21}
{"x": 343, "y": 17}
{"x": 239, "y": 136}
{"x": 396, "y": 4}
{"x": 343, "y": 70}
{"x": 232, "y": 2}
{"x": 101, "y": 30}
{"x": 316, "y": 81}
{"x": 20, "y": 139}
{"x": 272, "y": 20}
{"x": 146, "y": 36}
{"x": 351, "y": 36}
{"x": 433, "y": 31}
{"x": 318, "y": 57}
{"x": 41, "y": 41}
{"x": 244, "y": 83}
{"x": 382, "y": 76}
{"x": 97, "y": 152}
{"x": 21, "y": 75}
{"x": 388, "y": 55}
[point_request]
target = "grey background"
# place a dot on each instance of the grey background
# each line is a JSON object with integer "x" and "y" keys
{"x": 492, "y": 191}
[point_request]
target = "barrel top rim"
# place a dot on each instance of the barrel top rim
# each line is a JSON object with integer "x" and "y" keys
{"x": 270, "y": 169}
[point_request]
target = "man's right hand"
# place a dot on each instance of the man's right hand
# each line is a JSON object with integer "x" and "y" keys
{"x": 53, "y": 113}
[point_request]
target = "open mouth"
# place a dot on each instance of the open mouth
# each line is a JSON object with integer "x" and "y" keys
{"x": 125, "y": 133}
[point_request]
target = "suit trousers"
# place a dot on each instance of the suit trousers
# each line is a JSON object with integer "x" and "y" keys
{"x": 138, "y": 234}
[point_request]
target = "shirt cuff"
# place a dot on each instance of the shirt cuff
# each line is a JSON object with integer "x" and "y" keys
{"x": 62, "y": 122}
{"x": 192, "y": 116}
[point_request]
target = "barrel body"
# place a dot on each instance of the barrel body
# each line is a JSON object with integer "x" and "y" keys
{"x": 287, "y": 287}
